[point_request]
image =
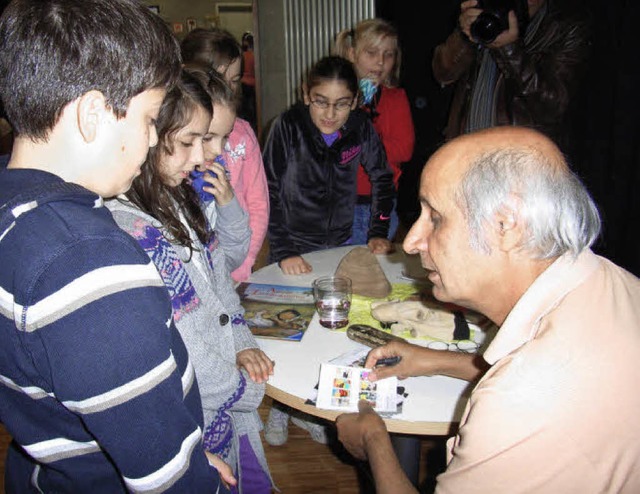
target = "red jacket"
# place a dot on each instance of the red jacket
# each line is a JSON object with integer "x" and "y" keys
{"x": 394, "y": 125}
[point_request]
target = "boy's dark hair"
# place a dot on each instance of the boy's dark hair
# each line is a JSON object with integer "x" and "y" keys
{"x": 148, "y": 190}
{"x": 211, "y": 47}
{"x": 52, "y": 52}
{"x": 333, "y": 68}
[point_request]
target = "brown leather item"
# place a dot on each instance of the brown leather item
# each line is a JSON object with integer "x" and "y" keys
{"x": 367, "y": 277}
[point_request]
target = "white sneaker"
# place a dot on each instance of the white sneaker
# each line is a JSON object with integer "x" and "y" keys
{"x": 276, "y": 430}
{"x": 318, "y": 432}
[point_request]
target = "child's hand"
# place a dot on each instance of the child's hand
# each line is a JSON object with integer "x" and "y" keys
{"x": 295, "y": 265}
{"x": 256, "y": 363}
{"x": 380, "y": 246}
{"x": 225, "y": 471}
{"x": 219, "y": 186}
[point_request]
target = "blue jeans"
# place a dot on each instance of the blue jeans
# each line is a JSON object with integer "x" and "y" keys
{"x": 361, "y": 219}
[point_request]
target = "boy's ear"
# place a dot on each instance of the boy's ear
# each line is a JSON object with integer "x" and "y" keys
{"x": 91, "y": 112}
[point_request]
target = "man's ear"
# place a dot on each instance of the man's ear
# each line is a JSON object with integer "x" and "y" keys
{"x": 508, "y": 226}
{"x": 91, "y": 111}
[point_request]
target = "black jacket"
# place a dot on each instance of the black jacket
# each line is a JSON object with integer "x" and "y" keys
{"x": 312, "y": 187}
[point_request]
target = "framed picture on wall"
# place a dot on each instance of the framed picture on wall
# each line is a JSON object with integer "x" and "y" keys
{"x": 191, "y": 24}
{"x": 155, "y": 9}
{"x": 212, "y": 20}
{"x": 178, "y": 27}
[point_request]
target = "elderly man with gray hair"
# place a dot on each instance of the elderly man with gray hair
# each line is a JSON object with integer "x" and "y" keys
{"x": 506, "y": 229}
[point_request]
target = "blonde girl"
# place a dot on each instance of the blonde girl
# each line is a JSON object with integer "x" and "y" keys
{"x": 372, "y": 46}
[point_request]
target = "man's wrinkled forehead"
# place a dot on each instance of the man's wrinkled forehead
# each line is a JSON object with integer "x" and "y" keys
{"x": 445, "y": 168}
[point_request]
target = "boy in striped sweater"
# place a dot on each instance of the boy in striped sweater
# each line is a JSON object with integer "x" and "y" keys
{"x": 96, "y": 387}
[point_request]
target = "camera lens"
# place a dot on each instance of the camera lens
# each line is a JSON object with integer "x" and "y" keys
{"x": 486, "y": 27}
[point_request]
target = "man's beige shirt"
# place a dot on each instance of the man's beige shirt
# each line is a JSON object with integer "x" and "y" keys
{"x": 559, "y": 411}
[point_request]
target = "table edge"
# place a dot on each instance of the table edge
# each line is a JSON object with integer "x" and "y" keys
{"x": 393, "y": 425}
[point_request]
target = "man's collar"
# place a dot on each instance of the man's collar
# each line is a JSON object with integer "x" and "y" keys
{"x": 544, "y": 294}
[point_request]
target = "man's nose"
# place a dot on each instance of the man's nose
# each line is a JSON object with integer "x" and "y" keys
{"x": 416, "y": 240}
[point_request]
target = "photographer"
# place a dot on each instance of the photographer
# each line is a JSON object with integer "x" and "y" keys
{"x": 525, "y": 76}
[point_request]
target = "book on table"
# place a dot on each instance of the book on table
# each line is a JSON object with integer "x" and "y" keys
{"x": 277, "y": 311}
{"x": 344, "y": 382}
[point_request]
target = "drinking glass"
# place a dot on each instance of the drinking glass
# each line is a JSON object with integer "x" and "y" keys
{"x": 332, "y": 296}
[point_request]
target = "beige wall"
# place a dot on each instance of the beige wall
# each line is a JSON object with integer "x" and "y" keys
{"x": 271, "y": 65}
{"x": 204, "y": 12}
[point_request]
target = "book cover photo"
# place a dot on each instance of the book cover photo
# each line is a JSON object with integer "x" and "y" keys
{"x": 277, "y": 311}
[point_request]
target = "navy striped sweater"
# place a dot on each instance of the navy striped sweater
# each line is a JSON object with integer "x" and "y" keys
{"x": 96, "y": 387}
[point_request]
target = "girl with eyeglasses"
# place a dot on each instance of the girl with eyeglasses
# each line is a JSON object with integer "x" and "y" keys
{"x": 311, "y": 156}
{"x": 372, "y": 45}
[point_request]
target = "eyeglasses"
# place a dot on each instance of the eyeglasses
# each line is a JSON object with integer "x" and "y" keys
{"x": 464, "y": 346}
{"x": 323, "y": 104}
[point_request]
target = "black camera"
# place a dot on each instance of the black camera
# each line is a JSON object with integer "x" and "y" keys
{"x": 494, "y": 19}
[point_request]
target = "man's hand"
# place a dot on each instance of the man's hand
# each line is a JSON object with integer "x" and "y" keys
{"x": 469, "y": 12}
{"x": 295, "y": 265}
{"x": 419, "y": 361}
{"x": 365, "y": 436}
{"x": 225, "y": 471}
{"x": 407, "y": 367}
{"x": 509, "y": 36}
{"x": 219, "y": 186}
{"x": 256, "y": 363}
{"x": 359, "y": 431}
{"x": 380, "y": 245}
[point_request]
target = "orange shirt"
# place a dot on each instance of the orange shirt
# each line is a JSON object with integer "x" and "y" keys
{"x": 249, "y": 68}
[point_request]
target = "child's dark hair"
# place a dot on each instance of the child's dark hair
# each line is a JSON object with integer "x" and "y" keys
{"x": 333, "y": 68}
{"x": 211, "y": 47}
{"x": 52, "y": 52}
{"x": 247, "y": 41}
{"x": 148, "y": 190}
{"x": 219, "y": 91}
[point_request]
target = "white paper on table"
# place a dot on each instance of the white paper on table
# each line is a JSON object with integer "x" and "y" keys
{"x": 341, "y": 387}
{"x": 353, "y": 358}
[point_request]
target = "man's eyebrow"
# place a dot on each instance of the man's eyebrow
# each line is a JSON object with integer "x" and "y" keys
{"x": 425, "y": 202}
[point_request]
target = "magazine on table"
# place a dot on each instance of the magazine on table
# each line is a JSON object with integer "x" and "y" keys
{"x": 277, "y": 311}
